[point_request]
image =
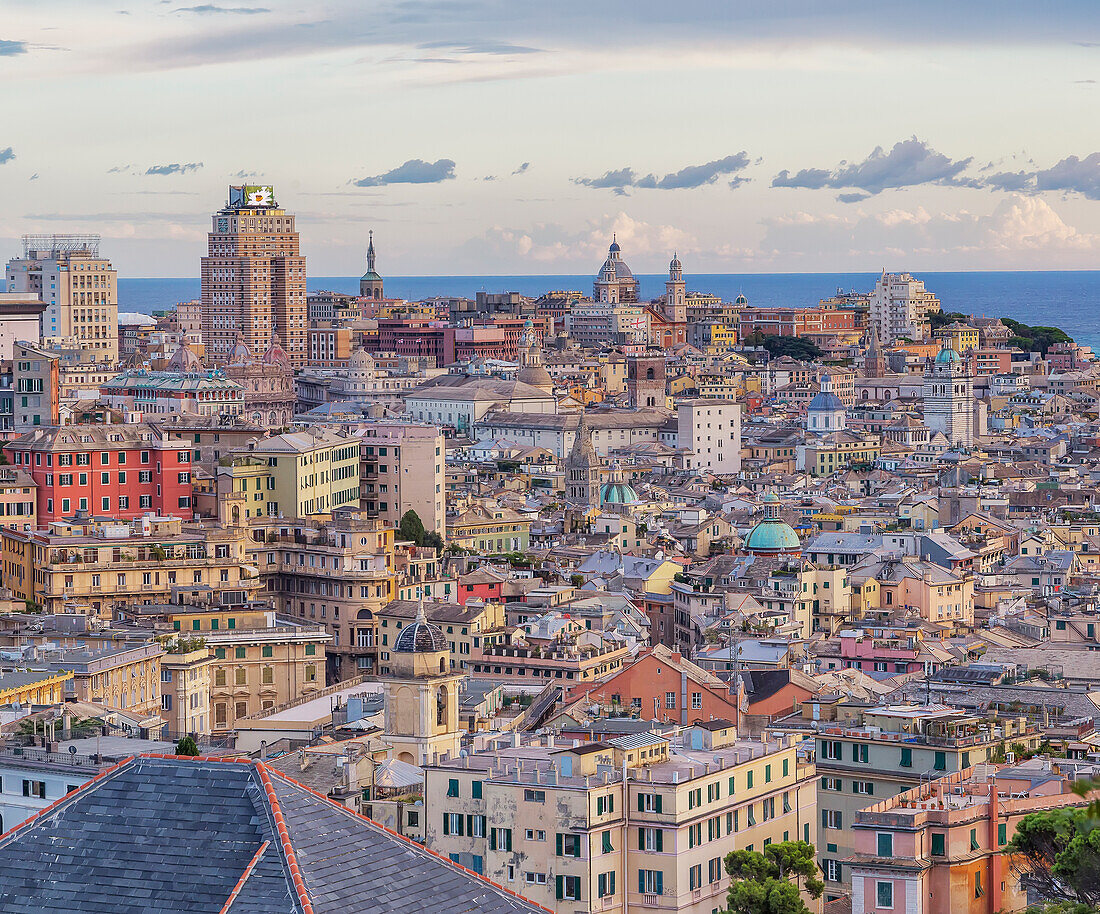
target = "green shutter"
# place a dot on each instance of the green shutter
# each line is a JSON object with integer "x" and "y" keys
{"x": 559, "y": 843}
{"x": 611, "y": 883}
{"x": 508, "y": 839}
{"x": 558, "y": 880}
{"x": 941, "y": 761}
{"x": 611, "y": 803}
{"x": 786, "y": 767}
{"x": 657, "y": 807}
{"x": 492, "y": 839}
{"x": 446, "y": 824}
{"x": 577, "y": 846}
{"x": 906, "y": 758}
{"x": 824, "y": 818}
{"x": 476, "y": 790}
{"x": 660, "y": 886}
{"x": 1002, "y": 833}
{"x": 641, "y": 839}
{"x": 660, "y": 839}
{"x": 938, "y": 844}
{"x": 469, "y": 825}
{"x": 601, "y": 885}
{"x": 641, "y": 803}
{"x": 641, "y": 882}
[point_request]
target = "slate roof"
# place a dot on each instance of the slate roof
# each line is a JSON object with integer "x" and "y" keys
{"x": 166, "y": 834}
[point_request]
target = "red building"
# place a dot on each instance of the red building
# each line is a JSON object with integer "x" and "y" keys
{"x": 480, "y": 584}
{"x": 117, "y": 471}
{"x": 794, "y": 321}
{"x": 417, "y": 337}
{"x": 663, "y": 685}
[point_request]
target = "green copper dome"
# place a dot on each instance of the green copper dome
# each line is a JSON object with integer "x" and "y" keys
{"x": 617, "y": 493}
{"x": 772, "y": 536}
{"x": 947, "y": 355}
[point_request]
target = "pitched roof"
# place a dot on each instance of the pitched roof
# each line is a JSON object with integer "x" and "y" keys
{"x": 199, "y": 835}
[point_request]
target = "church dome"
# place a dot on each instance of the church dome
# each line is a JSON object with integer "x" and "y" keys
{"x": 276, "y": 355}
{"x": 240, "y": 354}
{"x": 947, "y": 356}
{"x": 536, "y": 376}
{"x": 741, "y": 300}
{"x": 617, "y": 493}
{"x": 614, "y": 249}
{"x": 675, "y": 265}
{"x": 183, "y": 359}
{"x": 772, "y": 535}
{"x": 825, "y": 402}
{"x": 421, "y": 637}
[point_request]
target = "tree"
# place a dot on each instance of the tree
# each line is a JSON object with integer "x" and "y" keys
{"x": 187, "y": 746}
{"x": 1057, "y": 853}
{"x": 768, "y": 883}
{"x": 795, "y": 347}
{"x": 411, "y": 527}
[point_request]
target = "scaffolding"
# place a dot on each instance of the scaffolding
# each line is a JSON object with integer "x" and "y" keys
{"x": 60, "y": 244}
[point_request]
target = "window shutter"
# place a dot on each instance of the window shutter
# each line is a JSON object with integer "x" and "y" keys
{"x": 839, "y": 820}
{"x": 660, "y": 839}
{"x": 492, "y": 839}
{"x": 601, "y": 885}
{"x": 855, "y": 752}
{"x": 641, "y": 882}
{"x": 559, "y": 843}
{"x": 660, "y": 879}
{"x": 470, "y": 825}
{"x": 659, "y": 804}
{"x": 641, "y": 839}
{"x": 611, "y": 883}
{"x": 641, "y": 803}
{"x": 611, "y": 803}
{"x": 824, "y": 818}
{"x": 577, "y": 846}
{"x": 870, "y": 788}
{"x": 446, "y": 824}
{"x": 558, "y": 880}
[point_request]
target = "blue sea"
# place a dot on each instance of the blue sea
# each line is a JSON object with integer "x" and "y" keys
{"x": 1069, "y": 300}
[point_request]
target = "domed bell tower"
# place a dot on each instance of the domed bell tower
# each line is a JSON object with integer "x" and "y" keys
{"x": 421, "y": 695}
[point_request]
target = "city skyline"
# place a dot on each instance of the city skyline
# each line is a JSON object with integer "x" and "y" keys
{"x": 481, "y": 139}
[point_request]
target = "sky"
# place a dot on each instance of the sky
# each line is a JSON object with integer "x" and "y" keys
{"x": 514, "y": 137}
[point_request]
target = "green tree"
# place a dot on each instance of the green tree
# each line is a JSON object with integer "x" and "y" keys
{"x": 1057, "y": 853}
{"x": 794, "y": 347}
{"x": 769, "y": 883}
{"x": 411, "y": 527}
{"x": 187, "y": 746}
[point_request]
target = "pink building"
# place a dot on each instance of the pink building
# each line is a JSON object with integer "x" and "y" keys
{"x": 891, "y": 649}
{"x": 940, "y": 846}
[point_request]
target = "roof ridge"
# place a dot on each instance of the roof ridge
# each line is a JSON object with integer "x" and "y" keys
{"x": 284, "y": 838}
{"x": 244, "y": 877}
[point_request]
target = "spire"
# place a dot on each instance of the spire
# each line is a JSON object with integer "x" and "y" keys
{"x": 420, "y": 614}
{"x": 370, "y": 252}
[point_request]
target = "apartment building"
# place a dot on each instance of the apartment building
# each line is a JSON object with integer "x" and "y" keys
{"x": 336, "y": 574}
{"x": 125, "y": 677}
{"x": 868, "y": 754}
{"x": 253, "y": 278}
{"x": 710, "y": 430}
{"x": 260, "y": 659}
{"x": 941, "y": 846}
{"x": 900, "y": 306}
{"x": 34, "y": 687}
{"x": 468, "y": 628}
{"x": 185, "y": 682}
{"x": 314, "y": 471}
{"x": 402, "y": 468}
{"x": 78, "y": 287}
{"x": 116, "y": 471}
{"x": 561, "y": 826}
{"x": 97, "y": 567}
{"x": 36, "y": 386}
{"x": 17, "y": 499}
{"x": 490, "y": 529}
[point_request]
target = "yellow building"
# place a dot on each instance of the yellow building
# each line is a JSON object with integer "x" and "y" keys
{"x": 959, "y": 336}
{"x": 34, "y": 688}
{"x": 722, "y": 339}
{"x": 244, "y": 488}
{"x": 126, "y": 677}
{"x": 185, "y": 687}
{"x": 560, "y": 825}
{"x": 315, "y": 471}
{"x": 100, "y": 566}
{"x": 490, "y": 529}
{"x": 260, "y": 659}
{"x": 467, "y": 628}
{"x": 839, "y": 450}
{"x": 17, "y": 499}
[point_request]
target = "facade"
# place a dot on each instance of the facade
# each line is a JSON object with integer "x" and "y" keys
{"x": 260, "y": 659}
{"x": 560, "y": 825}
{"x": 490, "y": 530}
{"x": 608, "y": 322}
{"x": 123, "y": 472}
{"x": 78, "y": 287}
{"x": 253, "y": 278}
{"x": 710, "y": 430}
{"x": 941, "y": 846}
{"x": 36, "y": 387}
{"x": 125, "y": 678}
{"x": 900, "y": 306}
{"x": 162, "y": 393}
{"x": 20, "y": 319}
{"x": 185, "y": 690}
{"x": 266, "y": 382}
{"x": 314, "y": 471}
{"x": 17, "y": 500}
{"x": 645, "y": 380}
{"x": 401, "y": 468}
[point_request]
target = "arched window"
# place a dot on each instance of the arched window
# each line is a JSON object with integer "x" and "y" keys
{"x": 441, "y": 705}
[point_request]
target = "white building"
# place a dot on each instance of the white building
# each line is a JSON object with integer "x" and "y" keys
{"x": 610, "y": 323}
{"x": 20, "y": 319}
{"x": 826, "y": 413}
{"x": 711, "y": 431}
{"x": 900, "y": 306}
{"x": 459, "y": 402}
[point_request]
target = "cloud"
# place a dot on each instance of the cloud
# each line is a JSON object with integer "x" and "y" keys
{"x": 690, "y": 176}
{"x": 10, "y": 48}
{"x": 120, "y": 169}
{"x": 6, "y": 155}
{"x": 1072, "y": 175}
{"x": 909, "y": 163}
{"x": 174, "y": 169}
{"x": 244, "y": 175}
{"x": 479, "y": 47}
{"x": 206, "y": 9}
{"x": 1020, "y": 229}
{"x": 522, "y": 168}
{"x": 414, "y": 171}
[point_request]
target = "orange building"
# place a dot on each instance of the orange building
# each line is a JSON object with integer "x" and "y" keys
{"x": 663, "y": 685}
{"x": 940, "y": 846}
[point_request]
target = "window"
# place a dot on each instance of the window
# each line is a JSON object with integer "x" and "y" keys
{"x": 696, "y": 701}
{"x": 695, "y": 876}
{"x": 831, "y": 784}
{"x": 534, "y": 796}
{"x": 475, "y": 790}
{"x": 454, "y": 823}
{"x": 500, "y": 839}
{"x": 605, "y": 804}
{"x": 864, "y": 787}
{"x": 670, "y": 700}
{"x": 568, "y": 845}
{"x": 266, "y": 650}
{"x": 166, "y": 702}
{"x": 606, "y": 845}
{"x": 974, "y": 839}
{"x": 941, "y": 761}
{"x": 831, "y": 869}
{"x": 831, "y": 818}
{"x": 939, "y": 844}
{"x": 859, "y": 753}
{"x": 767, "y": 774}
{"x": 311, "y": 650}
{"x": 535, "y": 878}
{"x": 651, "y": 882}
{"x": 1002, "y": 833}
{"x": 832, "y": 750}
{"x": 714, "y": 869}
{"x": 978, "y": 890}
{"x": 651, "y": 839}
{"x": 885, "y": 844}
{"x": 238, "y": 652}
{"x": 906, "y": 758}
{"x": 884, "y": 894}
{"x": 452, "y": 787}
{"x": 649, "y": 802}
{"x": 568, "y": 887}
{"x": 605, "y": 885}
{"x": 34, "y": 789}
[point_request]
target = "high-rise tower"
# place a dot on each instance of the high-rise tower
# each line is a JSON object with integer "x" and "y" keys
{"x": 370, "y": 286}
{"x": 253, "y": 278}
